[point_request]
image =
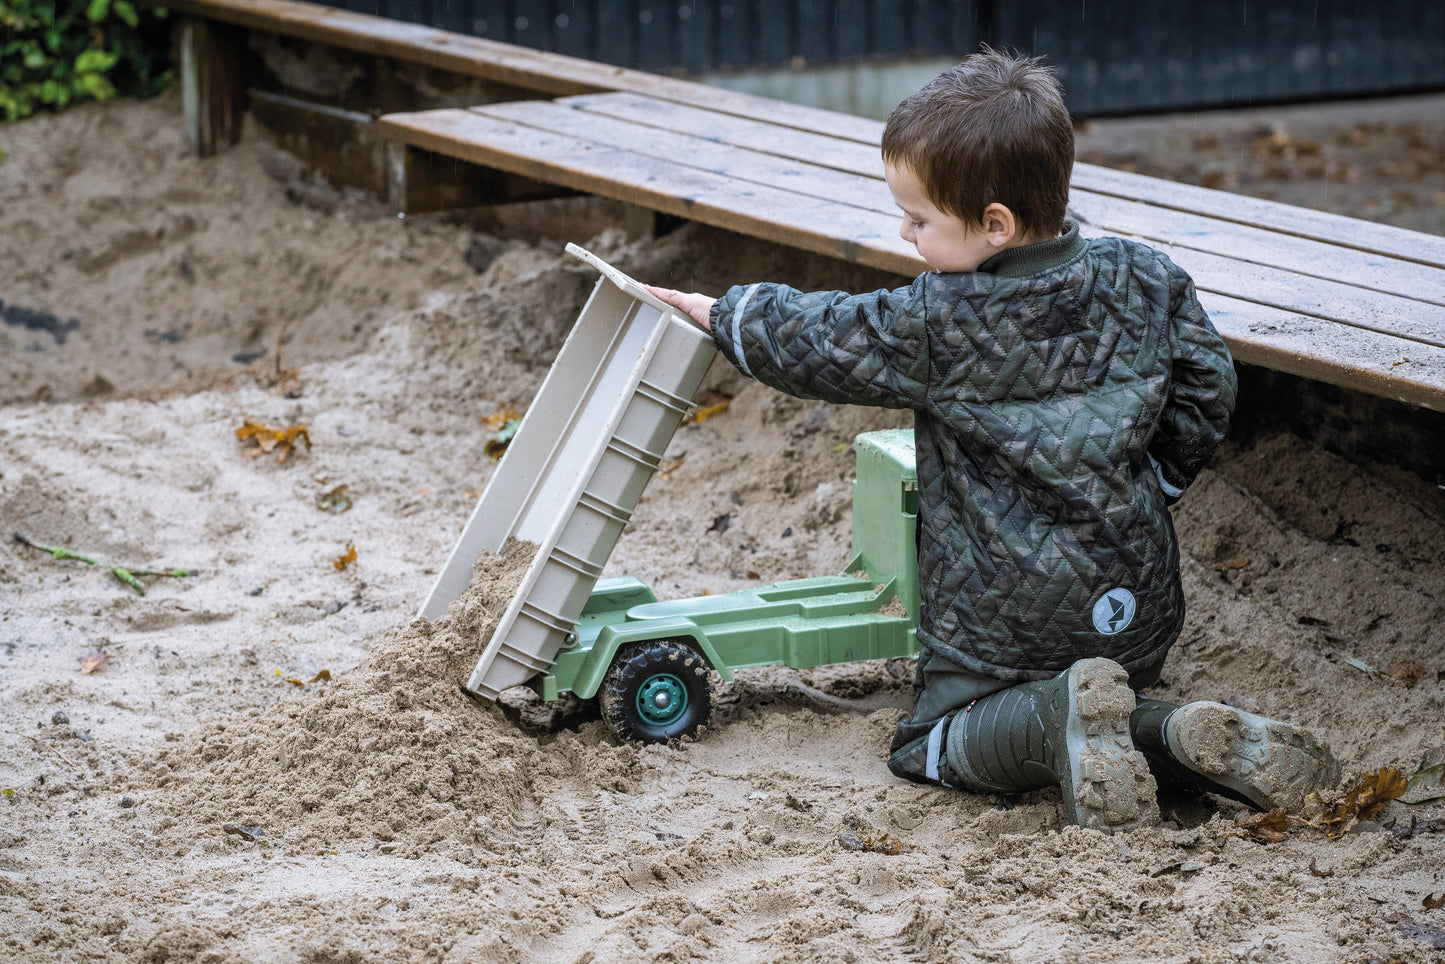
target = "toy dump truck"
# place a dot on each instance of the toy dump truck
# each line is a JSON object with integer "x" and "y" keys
{"x": 573, "y": 473}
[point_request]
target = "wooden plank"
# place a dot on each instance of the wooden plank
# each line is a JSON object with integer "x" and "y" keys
{"x": 1301, "y": 222}
{"x": 828, "y": 185}
{"x": 1319, "y": 350}
{"x": 1408, "y": 279}
{"x": 1329, "y": 301}
{"x": 749, "y": 133}
{"x": 834, "y": 230}
{"x": 537, "y": 70}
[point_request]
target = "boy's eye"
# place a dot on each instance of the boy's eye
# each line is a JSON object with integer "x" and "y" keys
{"x": 916, "y": 223}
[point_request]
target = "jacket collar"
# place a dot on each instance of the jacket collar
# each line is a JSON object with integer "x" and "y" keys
{"x": 1029, "y": 259}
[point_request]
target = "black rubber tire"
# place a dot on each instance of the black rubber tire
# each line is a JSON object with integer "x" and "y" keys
{"x": 668, "y": 666}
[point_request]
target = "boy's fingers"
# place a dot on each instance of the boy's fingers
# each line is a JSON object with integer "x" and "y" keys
{"x": 695, "y": 305}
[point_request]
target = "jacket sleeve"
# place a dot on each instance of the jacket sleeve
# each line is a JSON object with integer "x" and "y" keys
{"x": 869, "y": 349}
{"x": 1201, "y": 396}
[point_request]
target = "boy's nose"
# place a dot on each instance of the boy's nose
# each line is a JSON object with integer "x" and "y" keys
{"x": 905, "y": 229}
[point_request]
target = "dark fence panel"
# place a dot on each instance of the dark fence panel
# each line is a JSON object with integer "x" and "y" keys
{"x": 1115, "y": 56}
{"x": 1160, "y": 54}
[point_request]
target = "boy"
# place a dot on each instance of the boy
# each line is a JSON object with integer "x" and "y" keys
{"x": 1065, "y": 392}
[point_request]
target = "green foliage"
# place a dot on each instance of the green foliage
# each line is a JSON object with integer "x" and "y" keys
{"x": 54, "y": 53}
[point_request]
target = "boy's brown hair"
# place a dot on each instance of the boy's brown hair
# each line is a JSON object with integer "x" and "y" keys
{"x": 993, "y": 128}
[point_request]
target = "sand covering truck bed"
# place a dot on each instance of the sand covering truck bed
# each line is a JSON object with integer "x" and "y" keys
{"x": 576, "y": 468}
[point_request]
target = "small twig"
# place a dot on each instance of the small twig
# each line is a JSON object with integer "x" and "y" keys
{"x": 125, "y": 574}
{"x": 57, "y": 552}
{"x": 41, "y": 743}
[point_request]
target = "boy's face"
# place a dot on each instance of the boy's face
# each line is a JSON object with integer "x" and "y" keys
{"x": 943, "y": 240}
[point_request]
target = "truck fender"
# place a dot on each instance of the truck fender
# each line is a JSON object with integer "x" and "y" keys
{"x": 613, "y": 638}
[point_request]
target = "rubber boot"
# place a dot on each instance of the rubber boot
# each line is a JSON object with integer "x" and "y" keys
{"x": 1215, "y": 748}
{"x": 1071, "y": 731}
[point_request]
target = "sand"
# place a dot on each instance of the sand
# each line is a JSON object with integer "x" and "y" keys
{"x": 205, "y": 794}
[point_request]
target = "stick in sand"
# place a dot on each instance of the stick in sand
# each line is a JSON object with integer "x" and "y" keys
{"x": 126, "y": 574}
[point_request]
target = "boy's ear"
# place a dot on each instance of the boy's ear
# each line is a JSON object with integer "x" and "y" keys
{"x": 999, "y": 225}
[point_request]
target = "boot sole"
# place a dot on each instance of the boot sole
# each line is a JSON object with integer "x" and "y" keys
{"x": 1266, "y": 762}
{"x": 1108, "y": 785}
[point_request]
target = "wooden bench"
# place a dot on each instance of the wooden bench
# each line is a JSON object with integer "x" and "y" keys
{"x": 1329, "y": 298}
{"x": 1333, "y": 299}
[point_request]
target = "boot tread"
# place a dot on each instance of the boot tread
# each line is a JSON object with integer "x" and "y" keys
{"x": 1269, "y": 762}
{"x": 1107, "y": 784}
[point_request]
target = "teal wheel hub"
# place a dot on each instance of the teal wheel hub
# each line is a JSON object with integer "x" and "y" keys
{"x": 662, "y": 699}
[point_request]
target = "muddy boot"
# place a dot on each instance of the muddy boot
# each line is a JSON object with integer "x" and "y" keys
{"x": 1071, "y": 731}
{"x": 1218, "y": 749}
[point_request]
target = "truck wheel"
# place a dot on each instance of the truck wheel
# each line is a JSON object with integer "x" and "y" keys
{"x": 656, "y": 691}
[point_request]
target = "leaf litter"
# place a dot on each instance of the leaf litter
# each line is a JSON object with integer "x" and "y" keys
{"x": 503, "y": 425}
{"x": 280, "y": 439}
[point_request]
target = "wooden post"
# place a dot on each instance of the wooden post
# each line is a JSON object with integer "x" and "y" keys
{"x": 418, "y": 181}
{"x": 212, "y": 88}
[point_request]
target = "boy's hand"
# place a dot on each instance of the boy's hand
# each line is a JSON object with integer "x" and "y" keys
{"x": 697, "y": 307}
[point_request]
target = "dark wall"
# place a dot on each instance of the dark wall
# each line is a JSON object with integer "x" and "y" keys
{"x": 1115, "y": 56}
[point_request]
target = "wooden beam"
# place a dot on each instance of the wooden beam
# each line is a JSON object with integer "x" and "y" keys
{"x": 212, "y": 87}
{"x": 341, "y": 145}
{"x": 420, "y": 180}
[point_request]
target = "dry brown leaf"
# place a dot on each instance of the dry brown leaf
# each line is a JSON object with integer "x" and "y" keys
{"x": 1265, "y": 827}
{"x": 871, "y": 841}
{"x": 503, "y": 426}
{"x": 1366, "y": 799}
{"x": 322, "y": 677}
{"x": 497, "y": 420}
{"x": 1432, "y": 902}
{"x": 347, "y": 559}
{"x": 93, "y": 661}
{"x": 1317, "y": 872}
{"x": 709, "y": 405}
{"x": 336, "y": 501}
{"x": 270, "y": 439}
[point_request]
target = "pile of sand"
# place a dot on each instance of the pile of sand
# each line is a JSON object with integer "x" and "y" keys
{"x": 186, "y": 801}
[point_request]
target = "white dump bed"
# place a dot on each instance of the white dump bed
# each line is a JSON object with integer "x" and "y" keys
{"x": 572, "y": 475}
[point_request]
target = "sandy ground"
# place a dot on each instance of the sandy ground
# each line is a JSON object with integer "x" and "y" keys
{"x": 201, "y": 795}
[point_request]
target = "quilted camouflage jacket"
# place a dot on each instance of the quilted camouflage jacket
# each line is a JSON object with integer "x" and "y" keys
{"x": 1064, "y": 395}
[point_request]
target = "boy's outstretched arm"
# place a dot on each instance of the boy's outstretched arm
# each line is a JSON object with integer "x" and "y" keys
{"x": 696, "y": 306}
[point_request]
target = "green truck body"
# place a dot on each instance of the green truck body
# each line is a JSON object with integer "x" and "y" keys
{"x": 869, "y": 611}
